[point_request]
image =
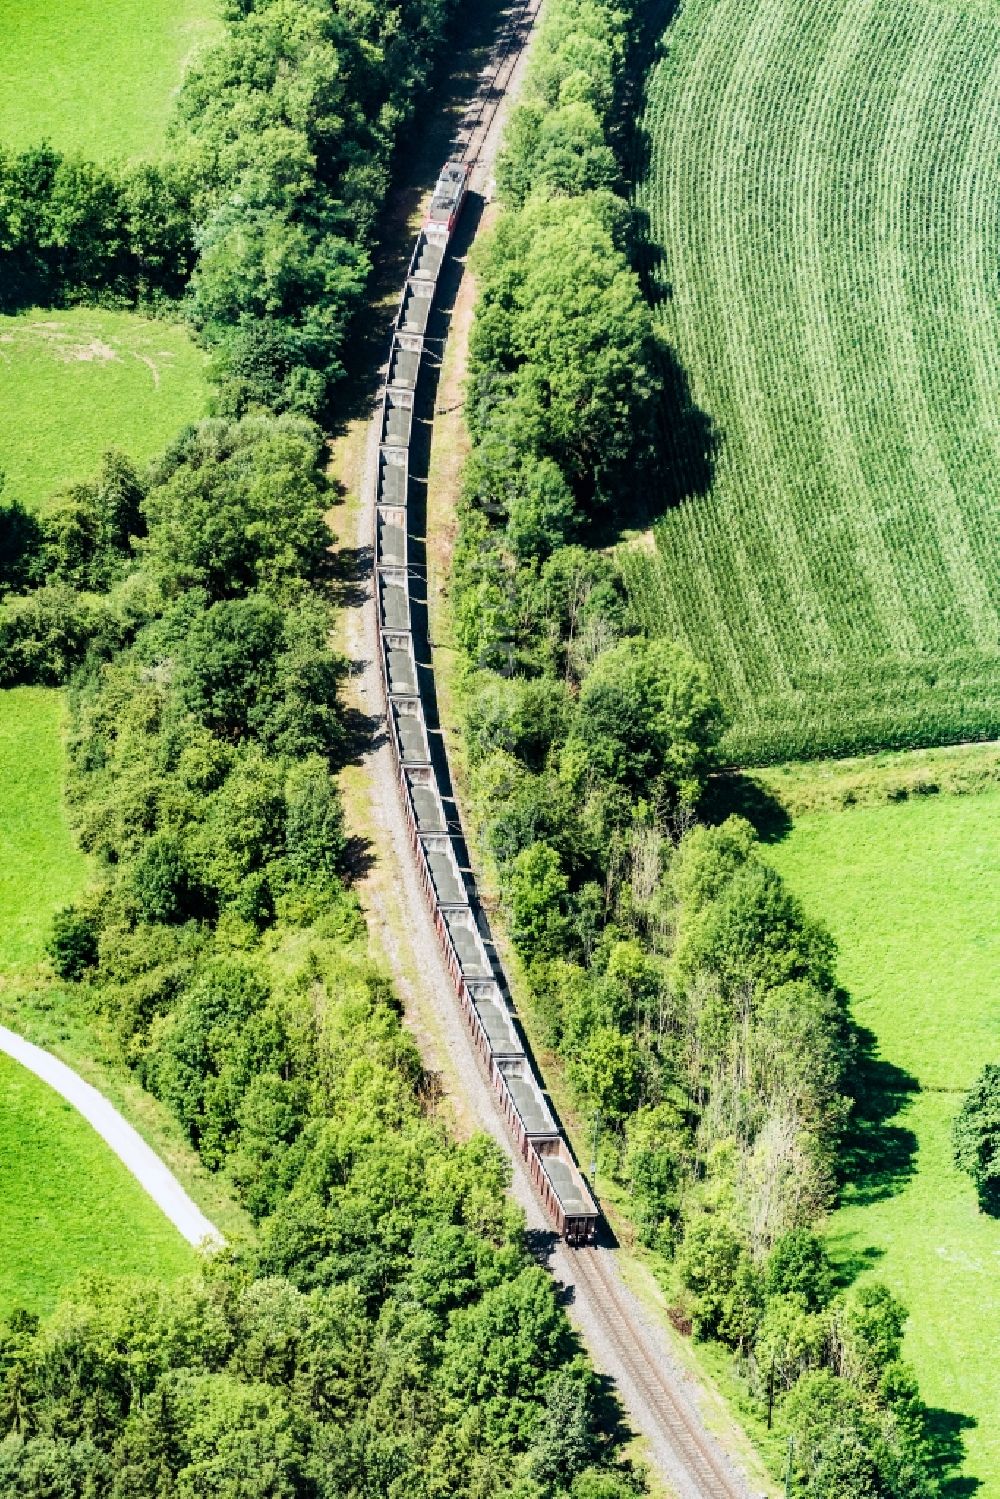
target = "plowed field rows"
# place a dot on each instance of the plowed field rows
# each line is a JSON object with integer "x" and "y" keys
{"x": 823, "y": 183}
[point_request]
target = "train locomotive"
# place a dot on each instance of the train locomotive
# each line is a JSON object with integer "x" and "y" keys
{"x": 437, "y": 843}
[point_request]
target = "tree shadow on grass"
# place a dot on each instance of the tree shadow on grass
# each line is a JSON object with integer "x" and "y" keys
{"x": 848, "y": 1264}
{"x": 878, "y": 1154}
{"x": 943, "y": 1431}
{"x": 733, "y": 794}
{"x": 687, "y": 439}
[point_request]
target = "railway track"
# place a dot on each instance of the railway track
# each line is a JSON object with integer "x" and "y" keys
{"x": 476, "y": 124}
{"x": 709, "y": 1477}
{"x": 635, "y": 1354}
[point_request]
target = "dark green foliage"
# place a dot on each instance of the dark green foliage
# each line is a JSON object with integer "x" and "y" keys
{"x": 287, "y": 128}
{"x": 20, "y": 547}
{"x": 72, "y": 231}
{"x": 647, "y": 721}
{"x": 161, "y": 881}
{"x": 72, "y": 945}
{"x": 238, "y": 505}
{"x": 842, "y": 1450}
{"x": 46, "y": 633}
{"x": 314, "y": 822}
{"x": 561, "y": 360}
{"x": 709, "y": 1265}
{"x": 89, "y": 533}
{"x": 976, "y": 1136}
{"x": 798, "y": 1266}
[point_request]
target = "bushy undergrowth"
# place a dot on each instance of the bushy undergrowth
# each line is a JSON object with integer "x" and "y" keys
{"x": 694, "y": 1005}
{"x": 387, "y": 1332}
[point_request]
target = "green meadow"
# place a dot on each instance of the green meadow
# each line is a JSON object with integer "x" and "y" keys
{"x": 910, "y": 893}
{"x": 75, "y": 383}
{"x": 67, "y": 1204}
{"x": 41, "y": 867}
{"x": 96, "y": 78}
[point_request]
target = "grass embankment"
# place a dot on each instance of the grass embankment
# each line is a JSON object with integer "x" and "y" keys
{"x": 41, "y": 868}
{"x": 910, "y": 893}
{"x": 818, "y": 186}
{"x": 73, "y": 384}
{"x": 67, "y": 1204}
{"x": 98, "y": 78}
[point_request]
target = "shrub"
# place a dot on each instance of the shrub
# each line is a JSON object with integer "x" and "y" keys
{"x": 72, "y": 944}
{"x": 976, "y": 1137}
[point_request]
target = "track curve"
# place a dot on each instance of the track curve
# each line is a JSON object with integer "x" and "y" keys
{"x": 665, "y": 1405}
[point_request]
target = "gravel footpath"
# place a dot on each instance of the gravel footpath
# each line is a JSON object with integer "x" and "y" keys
{"x": 128, "y": 1145}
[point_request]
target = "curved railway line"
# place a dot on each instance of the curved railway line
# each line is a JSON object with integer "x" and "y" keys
{"x": 663, "y": 1402}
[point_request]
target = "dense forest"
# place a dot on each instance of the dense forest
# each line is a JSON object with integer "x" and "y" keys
{"x": 694, "y": 1006}
{"x": 387, "y": 1331}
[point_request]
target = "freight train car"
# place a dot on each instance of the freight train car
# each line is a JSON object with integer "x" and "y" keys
{"x": 448, "y": 196}
{"x": 435, "y": 836}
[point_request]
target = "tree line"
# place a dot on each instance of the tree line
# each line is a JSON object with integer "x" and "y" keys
{"x": 258, "y": 224}
{"x": 386, "y": 1331}
{"x": 694, "y": 1005}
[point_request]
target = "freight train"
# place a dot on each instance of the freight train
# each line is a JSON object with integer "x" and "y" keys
{"x": 436, "y": 837}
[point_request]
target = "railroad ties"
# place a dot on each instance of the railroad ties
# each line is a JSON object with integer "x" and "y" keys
{"x": 436, "y": 838}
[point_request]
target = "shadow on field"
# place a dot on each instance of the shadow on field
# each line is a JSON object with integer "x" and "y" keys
{"x": 878, "y": 1155}
{"x": 733, "y": 794}
{"x": 425, "y": 146}
{"x": 687, "y": 439}
{"x": 943, "y": 1431}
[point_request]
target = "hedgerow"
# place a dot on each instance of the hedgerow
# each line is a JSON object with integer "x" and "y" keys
{"x": 258, "y": 225}
{"x": 386, "y": 1332}
{"x": 695, "y": 1007}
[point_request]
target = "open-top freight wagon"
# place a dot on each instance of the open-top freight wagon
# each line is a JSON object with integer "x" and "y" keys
{"x": 435, "y": 834}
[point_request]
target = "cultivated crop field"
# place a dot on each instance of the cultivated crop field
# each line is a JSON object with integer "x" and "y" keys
{"x": 909, "y": 892}
{"x": 96, "y": 76}
{"x": 75, "y": 383}
{"x": 821, "y": 181}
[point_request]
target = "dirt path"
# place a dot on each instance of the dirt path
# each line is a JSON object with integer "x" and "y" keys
{"x": 666, "y": 1406}
{"x": 128, "y": 1145}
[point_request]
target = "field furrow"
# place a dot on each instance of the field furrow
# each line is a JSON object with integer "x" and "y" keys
{"x": 824, "y": 215}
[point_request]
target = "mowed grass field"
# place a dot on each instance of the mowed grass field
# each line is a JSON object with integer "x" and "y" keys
{"x": 41, "y": 867}
{"x": 96, "y": 77}
{"x": 75, "y": 383}
{"x": 910, "y": 893}
{"x": 68, "y": 1207}
{"x": 824, "y": 211}
{"x": 67, "y": 1204}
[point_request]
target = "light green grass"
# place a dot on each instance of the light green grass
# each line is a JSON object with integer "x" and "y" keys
{"x": 96, "y": 76}
{"x": 73, "y": 384}
{"x": 68, "y": 1204}
{"x": 770, "y": 796}
{"x": 821, "y": 186}
{"x": 41, "y": 867}
{"x": 911, "y": 893}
